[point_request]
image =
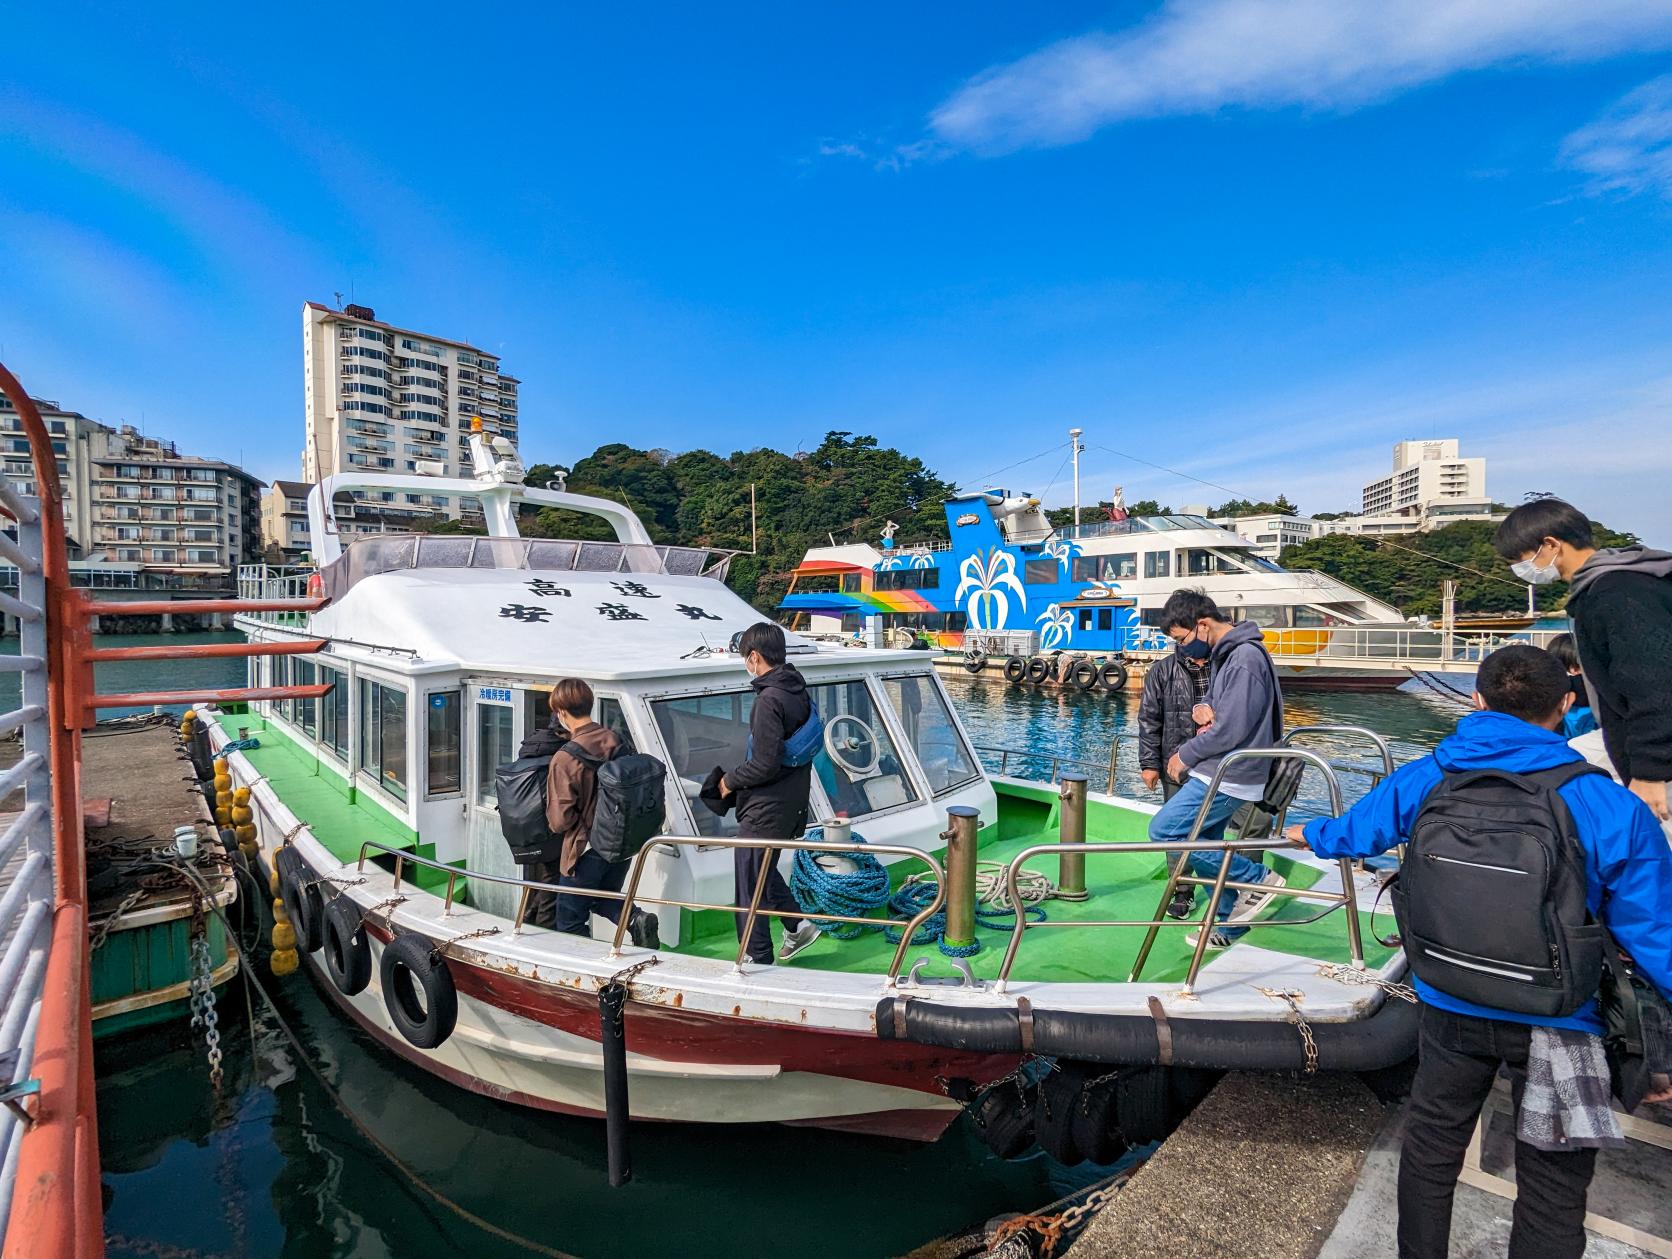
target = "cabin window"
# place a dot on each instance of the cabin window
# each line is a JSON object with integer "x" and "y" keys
{"x": 333, "y": 712}
{"x": 852, "y": 622}
{"x": 907, "y": 579}
{"x": 281, "y": 677}
{"x": 1105, "y": 618}
{"x": 306, "y": 710}
{"x": 1158, "y": 563}
{"x": 852, "y": 583}
{"x": 1121, "y": 567}
{"x": 1198, "y": 563}
{"x": 1040, "y": 572}
{"x": 1086, "y": 567}
{"x": 1269, "y": 615}
{"x": 699, "y": 732}
{"x": 1223, "y": 564}
{"x": 383, "y": 736}
{"x": 493, "y": 747}
{"x": 1311, "y": 618}
{"x": 443, "y": 744}
{"x": 921, "y": 707}
{"x": 858, "y": 766}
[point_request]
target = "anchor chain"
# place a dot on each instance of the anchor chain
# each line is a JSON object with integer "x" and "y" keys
{"x": 1344, "y": 974}
{"x": 1053, "y": 1228}
{"x": 202, "y": 988}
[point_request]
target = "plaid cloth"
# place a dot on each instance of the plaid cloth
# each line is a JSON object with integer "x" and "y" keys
{"x": 1565, "y": 1104}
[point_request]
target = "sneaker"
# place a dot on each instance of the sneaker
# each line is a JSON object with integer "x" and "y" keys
{"x": 795, "y": 941}
{"x": 1248, "y": 904}
{"x": 644, "y": 930}
{"x": 1218, "y": 938}
{"x": 1183, "y": 901}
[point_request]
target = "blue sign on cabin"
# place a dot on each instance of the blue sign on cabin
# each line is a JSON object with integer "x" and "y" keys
{"x": 495, "y": 692}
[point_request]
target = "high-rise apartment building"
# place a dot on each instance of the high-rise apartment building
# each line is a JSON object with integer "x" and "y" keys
{"x": 1429, "y": 475}
{"x": 284, "y": 519}
{"x": 139, "y": 513}
{"x": 386, "y": 399}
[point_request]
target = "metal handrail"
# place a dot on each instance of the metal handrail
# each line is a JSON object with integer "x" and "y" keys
{"x": 1057, "y": 762}
{"x": 630, "y": 897}
{"x": 1347, "y": 899}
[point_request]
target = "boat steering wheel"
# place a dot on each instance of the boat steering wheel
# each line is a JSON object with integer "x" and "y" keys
{"x": 852, "y": 744}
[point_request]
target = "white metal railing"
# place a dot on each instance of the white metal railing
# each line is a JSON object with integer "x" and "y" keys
{"x": 26, "y": 846}
{"x": 1416, "y": 646}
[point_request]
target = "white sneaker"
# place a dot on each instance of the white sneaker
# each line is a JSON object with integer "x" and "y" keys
{"x": 1249, "y": 904}
{"x": 1216, "y": 940}
{"x": 795, "y": 941}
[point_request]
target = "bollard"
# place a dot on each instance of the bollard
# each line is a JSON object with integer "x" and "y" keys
{"x": 962, "y": 822}
{"x": 1071, "y": 829}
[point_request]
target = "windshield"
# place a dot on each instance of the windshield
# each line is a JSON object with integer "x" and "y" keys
{"x": 921, "y": 706}
{"x": 857, "y": 766}
{"x": 701, "y": 732}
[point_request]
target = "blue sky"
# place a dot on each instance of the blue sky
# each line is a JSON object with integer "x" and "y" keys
{"x": 1259, "y": 242}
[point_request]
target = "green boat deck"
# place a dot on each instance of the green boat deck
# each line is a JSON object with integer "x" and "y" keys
{"x": 1124, "y": 887}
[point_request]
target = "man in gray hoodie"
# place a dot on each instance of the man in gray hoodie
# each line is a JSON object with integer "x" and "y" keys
{"x": 1243, "y": 709}
{"x": 1620, "y": 600}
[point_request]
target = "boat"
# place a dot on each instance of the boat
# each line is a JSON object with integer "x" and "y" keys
{"x": 429, "y": 659}
{"x": 1005, "y": 583}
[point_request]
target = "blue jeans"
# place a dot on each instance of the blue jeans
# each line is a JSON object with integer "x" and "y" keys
{"x": 1172, "y": 826}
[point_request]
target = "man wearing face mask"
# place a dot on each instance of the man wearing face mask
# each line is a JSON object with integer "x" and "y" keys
{"x": 771, "y": 789}
{"x": 1173, "y": 686}
{"x": 1620, "y": 600}
{"x": 1244, "y": 709}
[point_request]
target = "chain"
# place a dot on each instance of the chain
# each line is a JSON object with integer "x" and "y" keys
{"x": 469, "y": 935}
{"x": 202, "y": 988}
{"x": 1291, "y": 998}
{"x": 128, "y": 902}
{"x": 630, "y": 973}
{"x": 1344, "y": 974}
{"x": 1053, "y": 1228}
{"x": 381, "y": 906}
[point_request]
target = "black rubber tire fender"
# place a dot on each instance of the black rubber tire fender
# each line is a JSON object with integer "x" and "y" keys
{"x": 1112, "y": 676}
{"x": 285, "y": 860}
{"x": 304, "y": 904}
{"x": 1096, "y": 1122}
{"x": 1144, "y": 1104}
{"x": 348, "y": 953}
{"x": 1004, "y": 1118}
{"x": 418, "y": 990}
{"x": 975, "y": 661}
{"x": 1054, "y": 1112}
{"x": 1084, "y": 675}
{"x": 1015, "y": 669}
{"x": 1039, "y": 669}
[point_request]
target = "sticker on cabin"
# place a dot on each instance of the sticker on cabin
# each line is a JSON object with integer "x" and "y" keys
{"x": 547, "y": 589}
{"x": 697, "y": 614}
{"x": 969, "y": 518}
{"x": 525, "y": 612}
{"x": 634, "y": 590}
{"x": 621, "y": 612}
{"x": 486, "y": 692}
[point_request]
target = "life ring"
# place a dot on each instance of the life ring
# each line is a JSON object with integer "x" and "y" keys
{"x": 348, "y": 954}
{"x": 1039, "y": 669}
{"x": 1113, "y": 676}
{"x": 303, "y": 903}
{"x": 418, "y": 991}
{"x": 1015, "y": 669}
{"x": 975, "y": 661}
{"x": 1083, "y": 675}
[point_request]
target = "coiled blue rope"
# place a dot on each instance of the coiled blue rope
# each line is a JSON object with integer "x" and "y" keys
{"x": 853, "y": 894}
{"x": 240, "y": 745}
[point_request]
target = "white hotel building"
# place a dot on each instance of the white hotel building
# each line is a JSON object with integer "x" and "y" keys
{"x": 383, "y": 399}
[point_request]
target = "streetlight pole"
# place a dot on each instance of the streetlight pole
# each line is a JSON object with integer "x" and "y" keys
{"x": 1074, "y": 437}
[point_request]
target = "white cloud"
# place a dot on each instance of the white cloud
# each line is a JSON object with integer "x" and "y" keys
{"x": 1629, "y": 148}
{"x": 1200, "y": 56}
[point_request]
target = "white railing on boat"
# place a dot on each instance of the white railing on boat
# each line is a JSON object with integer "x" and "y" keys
{"x": 27, "y": 874}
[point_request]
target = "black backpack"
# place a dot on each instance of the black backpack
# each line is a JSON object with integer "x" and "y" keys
{"x": 1491, "y": 896}
{"x": 522, "y": 809}
{"x": 631, "y": 803}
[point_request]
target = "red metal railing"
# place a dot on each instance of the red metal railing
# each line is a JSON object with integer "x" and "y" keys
{"x": 55, "y": 1204}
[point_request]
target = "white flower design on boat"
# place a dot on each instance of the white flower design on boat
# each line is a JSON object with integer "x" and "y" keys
{"x": 1055, "y": 625}
{"x": 988, "y": 577}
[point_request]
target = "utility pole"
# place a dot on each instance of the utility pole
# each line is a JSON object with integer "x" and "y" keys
{"x": 1448, "y": 618}
{"x": 1074, "y": 437}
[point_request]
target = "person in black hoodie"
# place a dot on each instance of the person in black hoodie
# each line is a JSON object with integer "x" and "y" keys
{"x": 1620, "y": 600}
{"x": 542, "y": 742}
{"x": 771, "y": 796}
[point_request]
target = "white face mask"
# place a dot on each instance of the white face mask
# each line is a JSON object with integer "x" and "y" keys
{"x": 1529, "y": 570}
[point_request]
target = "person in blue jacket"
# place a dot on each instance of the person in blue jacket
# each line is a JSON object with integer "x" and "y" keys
{"x": 1522, "y": 694}
{"x": 1580, "y": 719}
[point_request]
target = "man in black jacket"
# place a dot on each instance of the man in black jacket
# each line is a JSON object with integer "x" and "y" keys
{"x": 1173, "y": 686}
{"x": 771, "y": 796}
{"x": 1621, "y": 604}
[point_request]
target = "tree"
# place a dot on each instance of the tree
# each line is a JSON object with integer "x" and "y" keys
{"x": 1243, "y": 507}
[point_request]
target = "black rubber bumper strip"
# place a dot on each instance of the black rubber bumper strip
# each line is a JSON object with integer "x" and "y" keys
{"x": 1386, "y": 1037}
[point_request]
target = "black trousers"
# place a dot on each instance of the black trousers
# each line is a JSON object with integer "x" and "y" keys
{"x": 1458, "y": 1057}
{"x": 542, "y": 906}
{"x": 746, "y": 867}
{"x": 592, "y": 873}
